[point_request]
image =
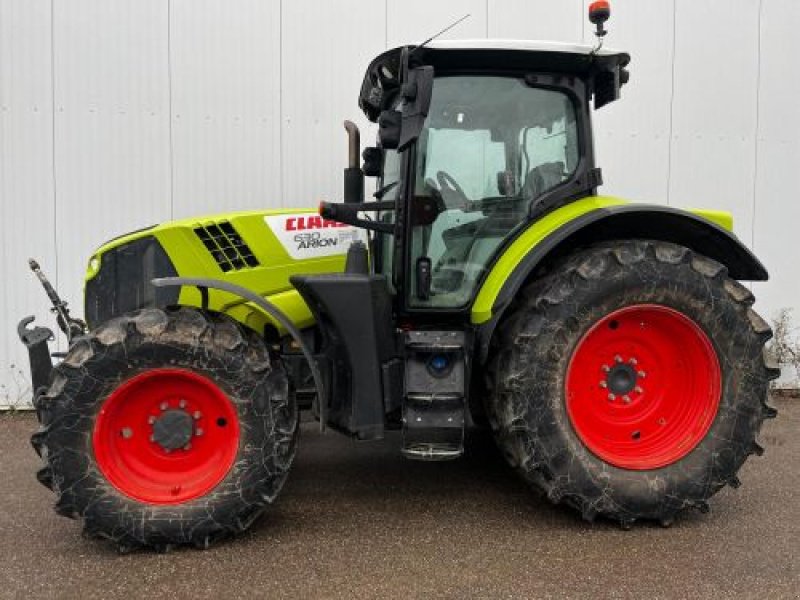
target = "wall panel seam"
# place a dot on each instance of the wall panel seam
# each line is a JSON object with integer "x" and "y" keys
{"x": 54, "y": 110}
{"x": 281, "y": 177}
{"x": 670, "y": 139}
{"x": 757, "y": 131}
{"x": 170, "y": 115}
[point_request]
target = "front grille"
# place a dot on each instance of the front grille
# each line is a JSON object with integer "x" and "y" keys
{"x": 122, "y": 284}
{"x": 226, "y": 246}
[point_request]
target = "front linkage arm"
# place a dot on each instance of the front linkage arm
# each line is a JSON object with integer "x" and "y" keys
{"x": 36, "y": 338}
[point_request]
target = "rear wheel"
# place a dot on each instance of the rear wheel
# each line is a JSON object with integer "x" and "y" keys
{"x": 630, "y": 382}
{"x": 165, "y": 428}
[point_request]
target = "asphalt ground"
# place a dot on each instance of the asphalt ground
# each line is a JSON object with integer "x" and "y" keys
{"x": 356, "y": 520}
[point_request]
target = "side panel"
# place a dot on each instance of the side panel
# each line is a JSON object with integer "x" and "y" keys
{"x": 714, "y": 113}
{"x": 413, "y": 21}
{"x": 558, "y": 20}
{"x": 632, "y": 137}
{"x": 776, "y": 206}
{"x": 318, "y": 89}
{"x": 27, "y": 189}
{"x": 111, "y": 126}
{"x": 225, "y": 72}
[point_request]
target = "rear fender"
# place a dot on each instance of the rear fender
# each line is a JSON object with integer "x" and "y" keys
{"x": 596, "y": 219}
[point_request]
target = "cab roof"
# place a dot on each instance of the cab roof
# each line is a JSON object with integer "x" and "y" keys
{"x": 498, "y": 56}
{"x": 521, "y": 45}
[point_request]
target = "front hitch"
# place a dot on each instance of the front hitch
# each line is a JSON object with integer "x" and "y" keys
{"x": 35, "y": 340}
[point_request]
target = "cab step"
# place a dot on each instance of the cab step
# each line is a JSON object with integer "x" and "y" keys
{"x": 434, "y": 401}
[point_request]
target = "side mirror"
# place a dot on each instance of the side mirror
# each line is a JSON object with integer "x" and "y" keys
{"x": 416, "y": 92}
{"x": 373, "y": 160}
{"x": 398, "y": 129}
{"x": 389, "y": 125}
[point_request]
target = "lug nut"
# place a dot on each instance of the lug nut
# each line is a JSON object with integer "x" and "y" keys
{"x": 641, "y": 374}
{"x": 603, "y": 384}
{"x": 182, "y": 403}
{"x": 618, "y": 358}
{"x": 164, "y": 406}
{"x": 638, "y": 389}
{"x": 605, "y": 368}
{"x": 152, "y": 438}
{"x": 197, "y": 414}
{"x": 626, "y": 399}
{"x": 199, "y": 431}
{"x": 633, "y": 361}
{"x": 611, "y": 397}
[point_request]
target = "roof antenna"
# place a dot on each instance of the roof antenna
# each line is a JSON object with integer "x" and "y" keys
{"x": 436, "y": 35}
{"x": 599, "y": 12}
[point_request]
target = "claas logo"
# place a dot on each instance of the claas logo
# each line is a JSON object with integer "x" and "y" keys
{"x": 311, "y": 222}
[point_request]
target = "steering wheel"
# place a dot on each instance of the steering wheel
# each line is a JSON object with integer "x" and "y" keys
{"x": 451, "y": 191}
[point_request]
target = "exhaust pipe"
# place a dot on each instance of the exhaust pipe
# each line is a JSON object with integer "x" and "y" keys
{"x": 353, "y": 144}
{"x": 353, "y": 175}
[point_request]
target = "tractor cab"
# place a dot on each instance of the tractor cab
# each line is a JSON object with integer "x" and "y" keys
{"x": 494, "y": 133}
{"x": 476, "y": 139}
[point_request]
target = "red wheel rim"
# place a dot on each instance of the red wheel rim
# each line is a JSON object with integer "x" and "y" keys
{"x": 643, "y": 387}
{"x": 166, "y": 436}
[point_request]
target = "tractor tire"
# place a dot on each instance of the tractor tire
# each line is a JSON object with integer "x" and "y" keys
{"x": 630, "y": 381}
{"x": 162, "y": 428}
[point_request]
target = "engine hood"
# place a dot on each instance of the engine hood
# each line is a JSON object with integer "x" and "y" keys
{"x": 259, "y": 250}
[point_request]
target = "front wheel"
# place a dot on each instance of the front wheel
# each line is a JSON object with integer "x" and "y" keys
{"x": 166, "y": 427}
{"x": 630, "y": 382}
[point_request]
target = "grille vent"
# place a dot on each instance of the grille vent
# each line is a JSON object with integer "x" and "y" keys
{"x": 226, "y": 246}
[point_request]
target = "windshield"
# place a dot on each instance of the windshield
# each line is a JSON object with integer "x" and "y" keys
{"x": 491, "y": 147}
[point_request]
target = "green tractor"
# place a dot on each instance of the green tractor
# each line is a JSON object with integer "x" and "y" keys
{"x": 609, "y": 345}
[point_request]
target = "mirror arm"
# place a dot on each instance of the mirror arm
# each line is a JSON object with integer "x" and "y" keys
{"x": 348, "y": 214}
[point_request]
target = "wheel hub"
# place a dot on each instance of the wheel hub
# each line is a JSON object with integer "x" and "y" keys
{"x": 621, "y": 379}
{"x": 173, "y": 429}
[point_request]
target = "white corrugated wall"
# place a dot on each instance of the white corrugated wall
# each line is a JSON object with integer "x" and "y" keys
{"x": 116, "y": 114}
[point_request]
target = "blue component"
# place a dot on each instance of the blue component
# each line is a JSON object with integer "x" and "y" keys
{"x": 439, "y": 363}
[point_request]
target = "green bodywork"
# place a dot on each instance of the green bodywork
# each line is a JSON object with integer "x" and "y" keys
{"x": 539, "y": 230}
{"x": 271, "y": 278}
